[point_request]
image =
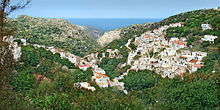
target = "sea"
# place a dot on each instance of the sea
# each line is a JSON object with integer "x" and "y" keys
{"x": 108, "y": 24}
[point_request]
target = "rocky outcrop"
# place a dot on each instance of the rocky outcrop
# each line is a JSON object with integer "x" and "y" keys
{"x": 109, "y": 36}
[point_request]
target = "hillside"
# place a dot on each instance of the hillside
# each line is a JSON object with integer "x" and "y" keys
{"x": 109, "y": 36}
{"x": 125, "y": 32}
{"x": 143, "y": 55}
{"x": 191, "y": 19}
{"x": 56, "y": 32}
{"x": 93, "y": 32}
{"x": 153, "y": 66}
{"x": 191, "y": 31}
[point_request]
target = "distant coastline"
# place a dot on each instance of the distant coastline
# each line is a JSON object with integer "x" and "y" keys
{"x": 108, "y": 24}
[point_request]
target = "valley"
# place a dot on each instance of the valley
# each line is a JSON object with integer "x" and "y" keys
{"x": 171, "y": 64}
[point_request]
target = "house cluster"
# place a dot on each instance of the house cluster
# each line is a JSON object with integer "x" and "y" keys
{"x": 165, "y": 57}
{"x": 99, "y": 75}
{"x": 102, "y": 80}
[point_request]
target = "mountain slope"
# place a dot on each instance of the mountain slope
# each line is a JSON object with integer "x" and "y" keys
{"x": 191, "y": 31}
{"x": 56, "y": 32}
{"x": 191, "y": 19}
{"x": 109, "y": 36}
{"x": 125, "y": 32}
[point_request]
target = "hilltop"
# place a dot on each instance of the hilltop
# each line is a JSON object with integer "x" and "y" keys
{"x": 57, "y": 32}
{"x": 192, "y": 19}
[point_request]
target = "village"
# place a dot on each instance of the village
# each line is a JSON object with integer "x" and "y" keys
{"x": 169, "y": 58}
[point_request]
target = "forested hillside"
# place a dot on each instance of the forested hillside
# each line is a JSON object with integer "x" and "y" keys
{"x": 56, "y": 32}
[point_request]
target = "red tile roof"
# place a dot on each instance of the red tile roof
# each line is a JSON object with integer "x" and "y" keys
{"x": 182, "y": 74}
{"x": 181, "y": 43}
{"x": 83, "y": 66}
{"x": 147, "y": 36}
{"x": 193, "y": 61}
{"x": 197, "y": 66}
{"x": 176, "y": 41}
{"x": 183, "y": 57}
{"x": 97, "y": 77}
{"x": 132, "y": 69}
{"x": 108, "y": 82}
{"x": 98, "y": 73}
{"x": 101, "y": 74}
{"x": 86, "y": 65}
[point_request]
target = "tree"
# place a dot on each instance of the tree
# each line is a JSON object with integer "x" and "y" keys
{"x": 140, "y": 80}
{"x": 6, "y": 58}
{"x": 30, "y": 57}
{"x": 23, "y": 81}
{"x": 100, "y": 55}
{"x": 195, "y": 95}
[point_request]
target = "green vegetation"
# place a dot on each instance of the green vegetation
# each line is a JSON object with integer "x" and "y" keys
{"x": 146, "y": 89}
{"x": 199, "y": 90}
{"x": 192, "y": 27}
{"x": 184, "y": 95}
{"x": 140, "y": 80}
{"x": 23, "y": 81}
{"x": 55, "y": 32}
{"x": 110, "y": 66}
{"x": 59, "y": 93}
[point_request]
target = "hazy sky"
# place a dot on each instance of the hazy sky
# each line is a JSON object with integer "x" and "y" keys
{"x": 113, "y": 8}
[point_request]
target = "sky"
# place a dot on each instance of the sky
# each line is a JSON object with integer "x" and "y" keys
{"x": 112, "y": 8}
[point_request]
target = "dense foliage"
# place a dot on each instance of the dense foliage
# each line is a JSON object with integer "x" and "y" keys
{"x": 196, "y": 95}
{"x": 140, "y": 80}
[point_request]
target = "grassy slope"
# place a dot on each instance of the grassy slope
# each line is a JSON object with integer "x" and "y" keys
{"x": 55, "y": 32}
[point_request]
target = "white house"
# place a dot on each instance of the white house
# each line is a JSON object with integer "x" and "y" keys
{"x": 196, "y": 67}
{"x": 72, "y": 58}
{"x": 84, "y": 67}
{"x": 176, "y": 25}
{"x": 199, "y": 55}
{"x": 102, "y": 80}
{"x": 24, "y": 41}
{"x": 84, "y": 85}
{"x": 62, "y": 54}
{"x": 209, "y": 38}
{"x": 16, "y": 50}
{"x": 182, "y": 44}
{"x": 174, "y": 39}
{"x": 206, "y": 26}
{"x": 99, "y": 70}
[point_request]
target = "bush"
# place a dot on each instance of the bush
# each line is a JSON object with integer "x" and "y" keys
{"x": 23, "y": 81}
{"x": 43, "y": 68}
{"x": 140, "y": 80}
{"x": 30, "y": 57}
{"x": 190, "y": 96}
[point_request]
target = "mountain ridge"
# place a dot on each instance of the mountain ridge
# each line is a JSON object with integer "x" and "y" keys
{"x": 56, "y": 32}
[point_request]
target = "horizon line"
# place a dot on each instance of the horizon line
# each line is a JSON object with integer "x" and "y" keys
{"x": 89, "y": 17}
